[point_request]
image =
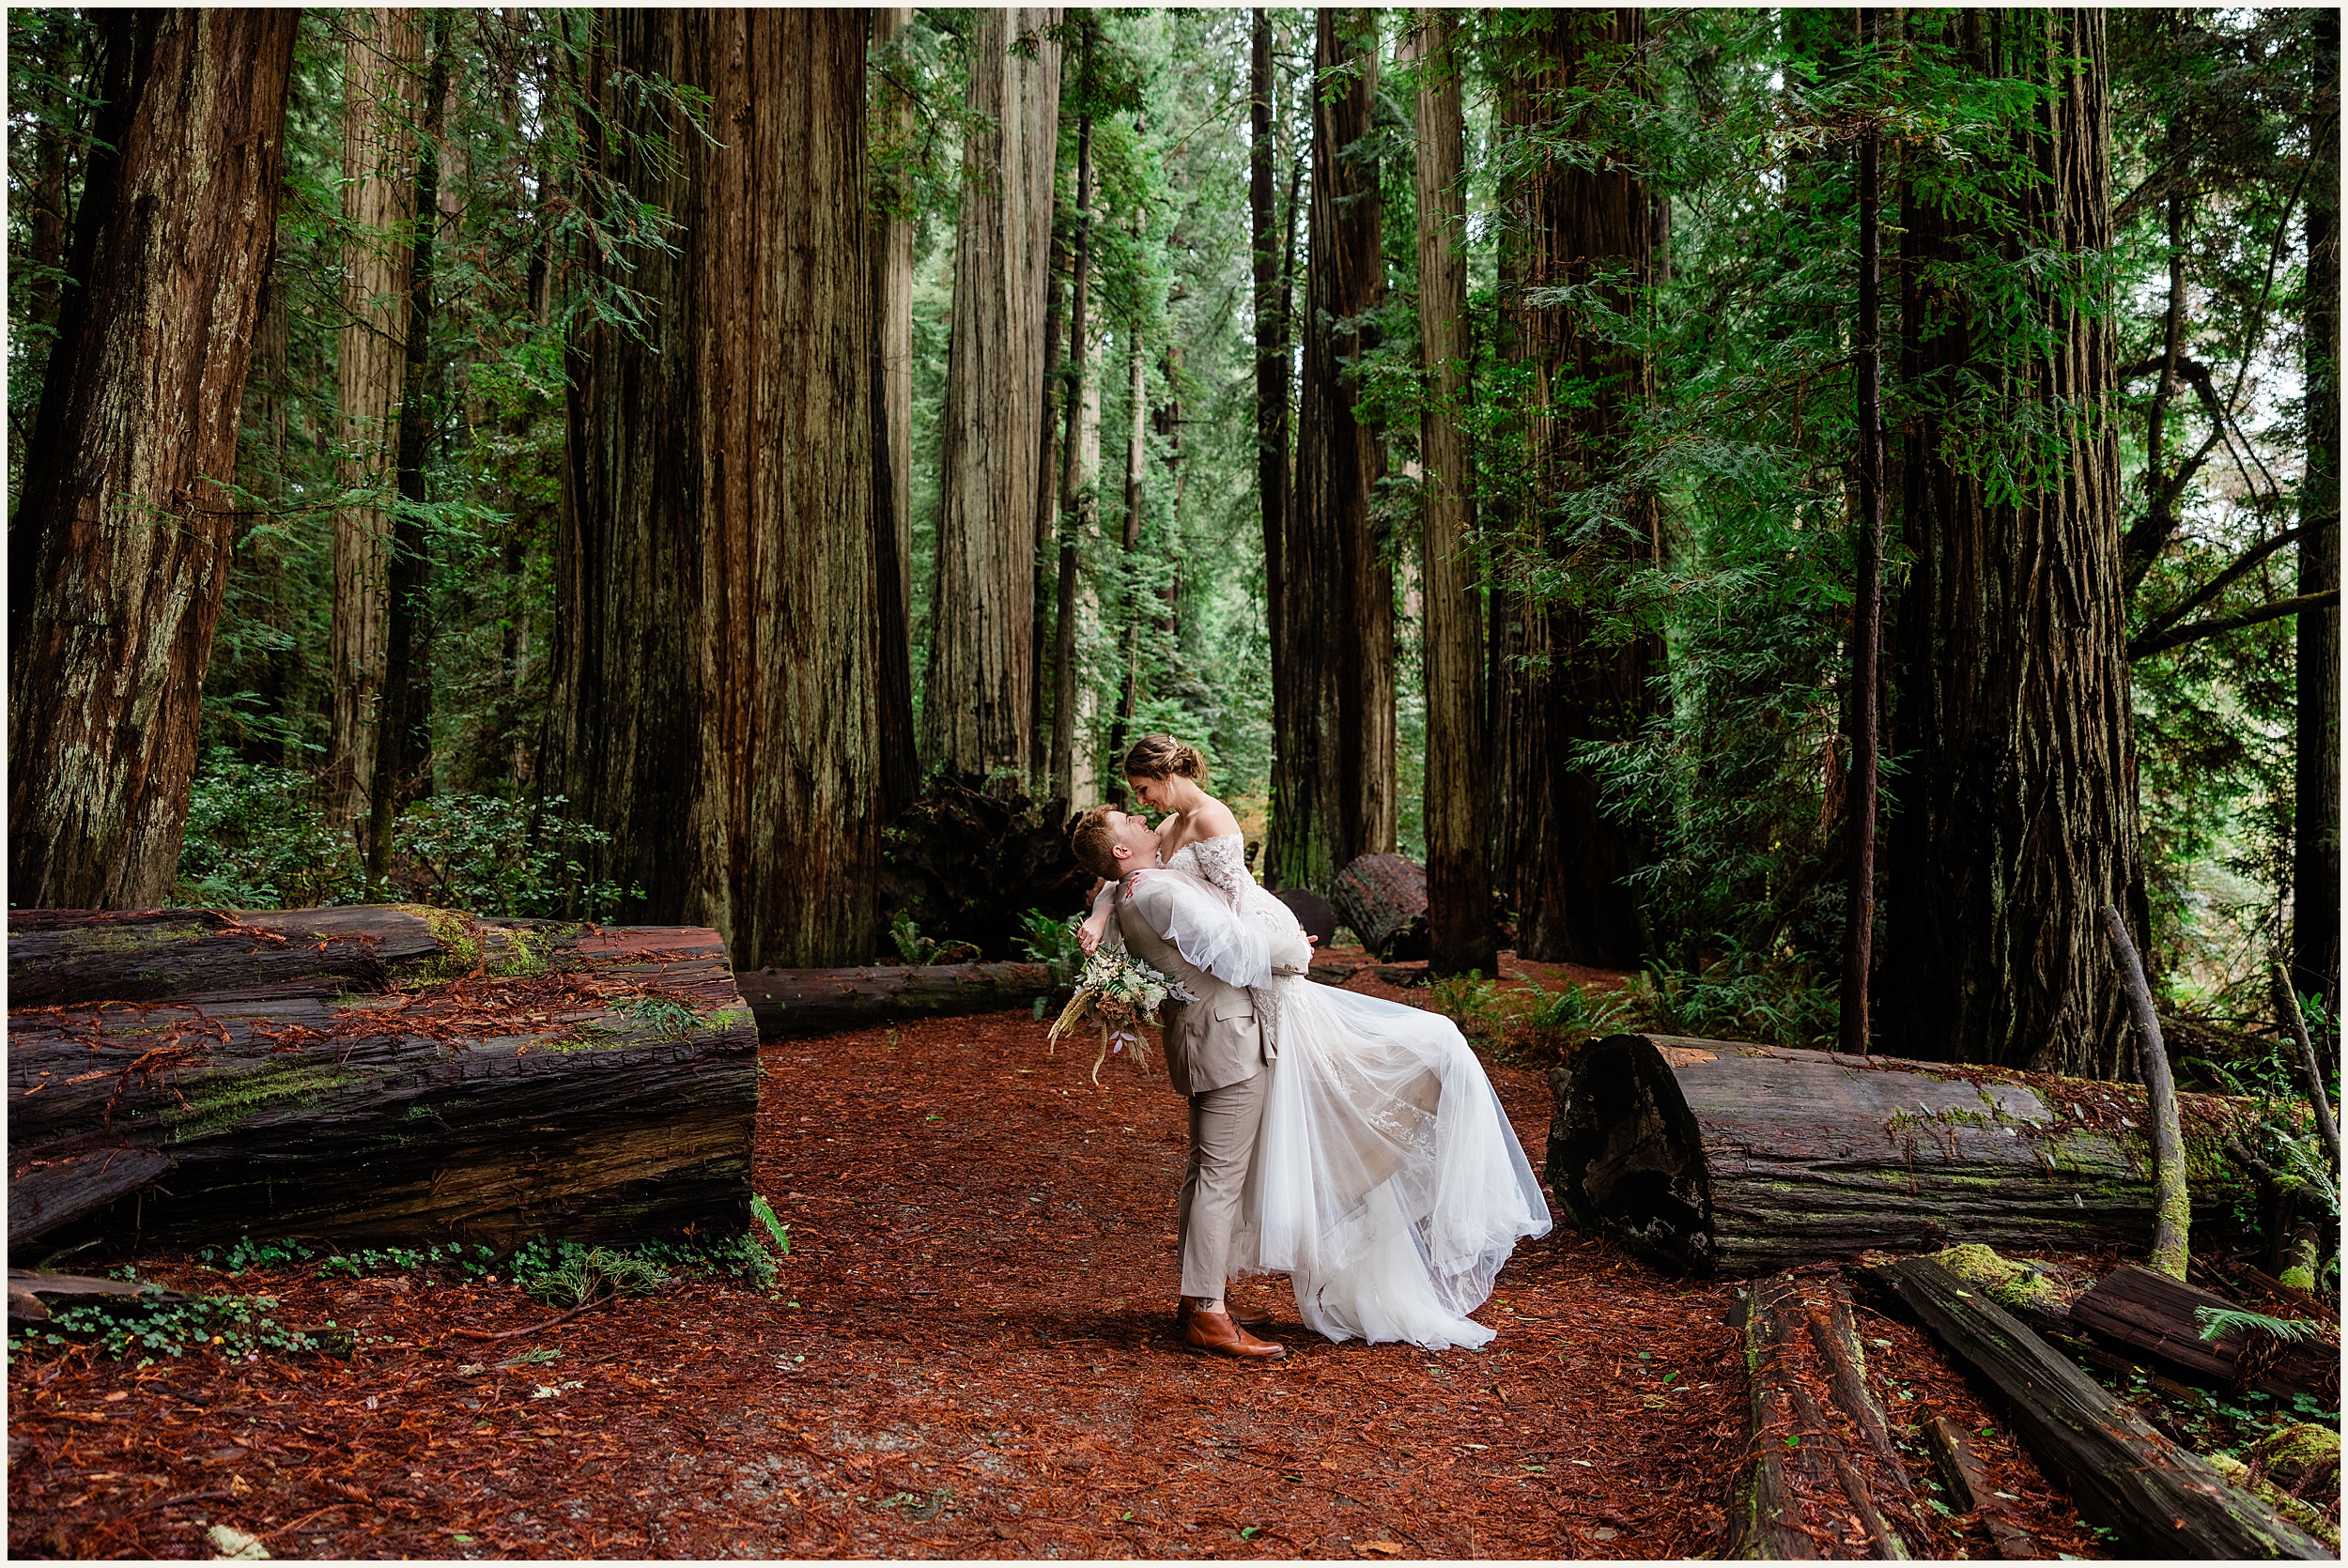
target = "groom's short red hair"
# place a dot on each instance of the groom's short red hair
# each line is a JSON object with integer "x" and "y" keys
{"x": 1094, "y": 839}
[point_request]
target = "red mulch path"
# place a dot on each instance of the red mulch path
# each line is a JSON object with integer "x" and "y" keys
{"x": 969, "y": 1353}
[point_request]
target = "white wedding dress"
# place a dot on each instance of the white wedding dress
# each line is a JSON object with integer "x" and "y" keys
{"x": 1387, "y": 1183}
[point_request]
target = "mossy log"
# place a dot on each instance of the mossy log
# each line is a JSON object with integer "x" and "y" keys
{"x": 790, "y": 1003}
{"x": 1821, "y": 1477}
{"x": 2146, "y": 1311}
{"x": 520, "y": 1079}
{"x": 60, "y": 956}
{"x": 2164, "y": 1500}
{"x": 1715, "y": 1157}
{"x": 1383, "y": 898}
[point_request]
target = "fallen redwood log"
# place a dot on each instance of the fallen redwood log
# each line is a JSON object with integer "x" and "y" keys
{"x": 1714, "y": 1156}
{"x": 1383, "y": 898}
{"x": 526, "y": 1079}
{"x": 2146, "y": 1311}
{"x": 791, "y": 1003}
{"x": 2166, "y": 1501}
{"x": 1820, "y": 1477}
{"x": 58, "y": 956}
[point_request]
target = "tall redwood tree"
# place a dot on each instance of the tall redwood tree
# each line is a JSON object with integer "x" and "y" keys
{"x": 120, "y": 551}
{"x": 2016, "y": 820}
{"x": 715, "y": 675}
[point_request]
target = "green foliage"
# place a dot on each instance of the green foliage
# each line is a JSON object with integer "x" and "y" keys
{"x": 256, "y": 838}
{"x": 466, "y": 1261}
{"x": 146, "y": 1324}
{"x": 249, "y": 1254}
{"x": 915, "y": 948}
{"x": 494, "y": 857}
{"x": 2215, "y": 1322}
{"x": 1052, "y": 943}
{"x": 667, "y": 1019}
{"x": 1738, "y": 995}
{"x": 1571, "y": 1015}
{"x": 1470, "y": 1001}
{"x": 567, "y": 1274}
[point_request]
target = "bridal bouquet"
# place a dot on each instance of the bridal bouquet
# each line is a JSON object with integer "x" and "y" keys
{"x": 1118, "y": 993}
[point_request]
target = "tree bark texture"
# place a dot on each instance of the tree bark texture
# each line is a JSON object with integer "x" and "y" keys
{"x": 1565, "y": 861}
{"x": 715, "y": 677}
{"x": 1333, "y": 775}
{"x": 1859, "y": 812}
{"x": 975, "y": 707}
{"x": 1080, "y": 464}
{"x": 1384, "y": 899}
{"x": 383, "y": 94}
{"x": 2145, "y": 1310}
{"x": 1714, "y": 1156}
{"x": 1272, "y": 327}
{"x": 1137, "y": 462}
{"x": 403, "y": 747}
{"x": 531, "y": 1080}
{"x": 2315, "y": 861}
{"x": 791, "y": 1004}
{"x": 892, "y": 440}
{"x": 2166, "y": 1501}
{"x": 2016, "y": 819}
{"x": 1820, "y": 1477}
{"x": 1458, "y": 874}
{"x": 122, "y": 543}
{"x": 1043, "y": 631}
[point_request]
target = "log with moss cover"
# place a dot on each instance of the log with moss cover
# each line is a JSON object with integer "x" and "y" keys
{"x": 1717, "y": 1157}
{"x": 378, "y": 1073}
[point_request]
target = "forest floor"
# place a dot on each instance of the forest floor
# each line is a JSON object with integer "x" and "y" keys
{"x": 969, "y": 1352}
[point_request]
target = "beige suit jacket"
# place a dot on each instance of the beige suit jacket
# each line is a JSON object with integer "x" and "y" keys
{"x": 1211, "y": 1042}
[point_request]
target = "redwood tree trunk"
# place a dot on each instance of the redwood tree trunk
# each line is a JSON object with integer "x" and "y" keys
{"x": 2315, "y": 868}
{"x": 1867, "y": 608}
{"x": 402, "y": 748}
{"x": 1458, "y": 878}
{"x": 975, "y": 709}
{"x": 1332, "y": 788}
{"x": 892, "y": 440}
{"x": 716, "y": 671}
{"x": 1137, "y": 459}
{"x": 1271, "y": 399}
{"x": 380, "y": 81}
{"x": 1079, "y": 463}
{"x": 121, "y": 543}
{"x": 1564, "y": 685}
{"x": 2017, "y": 818}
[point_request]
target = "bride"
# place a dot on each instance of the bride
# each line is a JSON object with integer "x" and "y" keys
{"x": 1386, "y": 1182}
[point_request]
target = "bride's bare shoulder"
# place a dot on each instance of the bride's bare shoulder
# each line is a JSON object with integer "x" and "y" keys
{"x": 1211, "y": 819}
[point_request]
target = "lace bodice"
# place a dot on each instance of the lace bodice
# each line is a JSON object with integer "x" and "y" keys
{"x": 1220, "y": 861}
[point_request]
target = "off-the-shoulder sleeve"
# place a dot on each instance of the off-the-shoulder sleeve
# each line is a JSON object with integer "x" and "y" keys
{"x": 1209, "y": 934}
{"x": 1224, "y": 862}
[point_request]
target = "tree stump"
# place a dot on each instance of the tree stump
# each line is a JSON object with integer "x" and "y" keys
{"x": 520, "y": 1079}
{"x": 1715, "y": 1157}
{"x": 1383, "y": 898}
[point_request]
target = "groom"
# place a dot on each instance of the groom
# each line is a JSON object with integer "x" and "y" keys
{"x": 1215, "y": 1055}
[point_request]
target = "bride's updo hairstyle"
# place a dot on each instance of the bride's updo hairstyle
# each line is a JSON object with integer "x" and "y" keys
{"x": 1164, "y": 757}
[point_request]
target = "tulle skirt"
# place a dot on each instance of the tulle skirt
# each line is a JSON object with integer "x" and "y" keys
{"x": 1387, "y": 1181}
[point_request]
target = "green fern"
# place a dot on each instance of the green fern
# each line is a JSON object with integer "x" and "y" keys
{"x": 2217, "y": 1322}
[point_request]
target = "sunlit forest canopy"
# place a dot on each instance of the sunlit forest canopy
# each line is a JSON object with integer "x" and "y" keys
{"x": 650, "y": 461}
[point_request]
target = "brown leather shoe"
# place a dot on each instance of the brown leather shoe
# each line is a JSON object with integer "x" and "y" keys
{"x": 1246, "y": 1318}
{"x": 1218, "y": 1335}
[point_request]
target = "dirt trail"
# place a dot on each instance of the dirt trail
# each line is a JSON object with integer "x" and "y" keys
{"x": 969, "y": 1353}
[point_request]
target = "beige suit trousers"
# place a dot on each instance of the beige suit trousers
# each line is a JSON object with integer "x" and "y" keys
{"x": 1223, "y": 1124}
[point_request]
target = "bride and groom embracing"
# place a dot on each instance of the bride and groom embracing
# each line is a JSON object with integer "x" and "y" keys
{"x": 1352, "y": 1144}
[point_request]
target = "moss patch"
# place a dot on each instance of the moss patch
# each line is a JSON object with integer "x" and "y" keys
{"x": 229, "y": 1099}
{"x": 2014, "y": 1285}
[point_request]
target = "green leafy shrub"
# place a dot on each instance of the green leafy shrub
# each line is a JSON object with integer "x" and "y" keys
{"x": 917, "y": 949}
{"x": 566, "y": 1275}
{"x": 1472, "y": 1002}
{"x": 1567, "y": 1018}
{"x": 233, "y": 1325}
{"x": 1740, "y": 996}
{"x": 258, "y": 838}
{"x": 468, "y": 1261}
{"x": 496, "y": 856}
{"x": 1052, "y": 943}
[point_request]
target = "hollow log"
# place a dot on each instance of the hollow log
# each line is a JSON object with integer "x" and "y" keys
{"x": 2165, "y": 1502}
{"x": 1715, "y": 1157}
{"x": 524, "y": 1079}
{"x": 789, "y": 1003}
{"x": 1383, "y": 898}
{"x": 1820, "y": 1477}
{"x": 2146, "y": 1311}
